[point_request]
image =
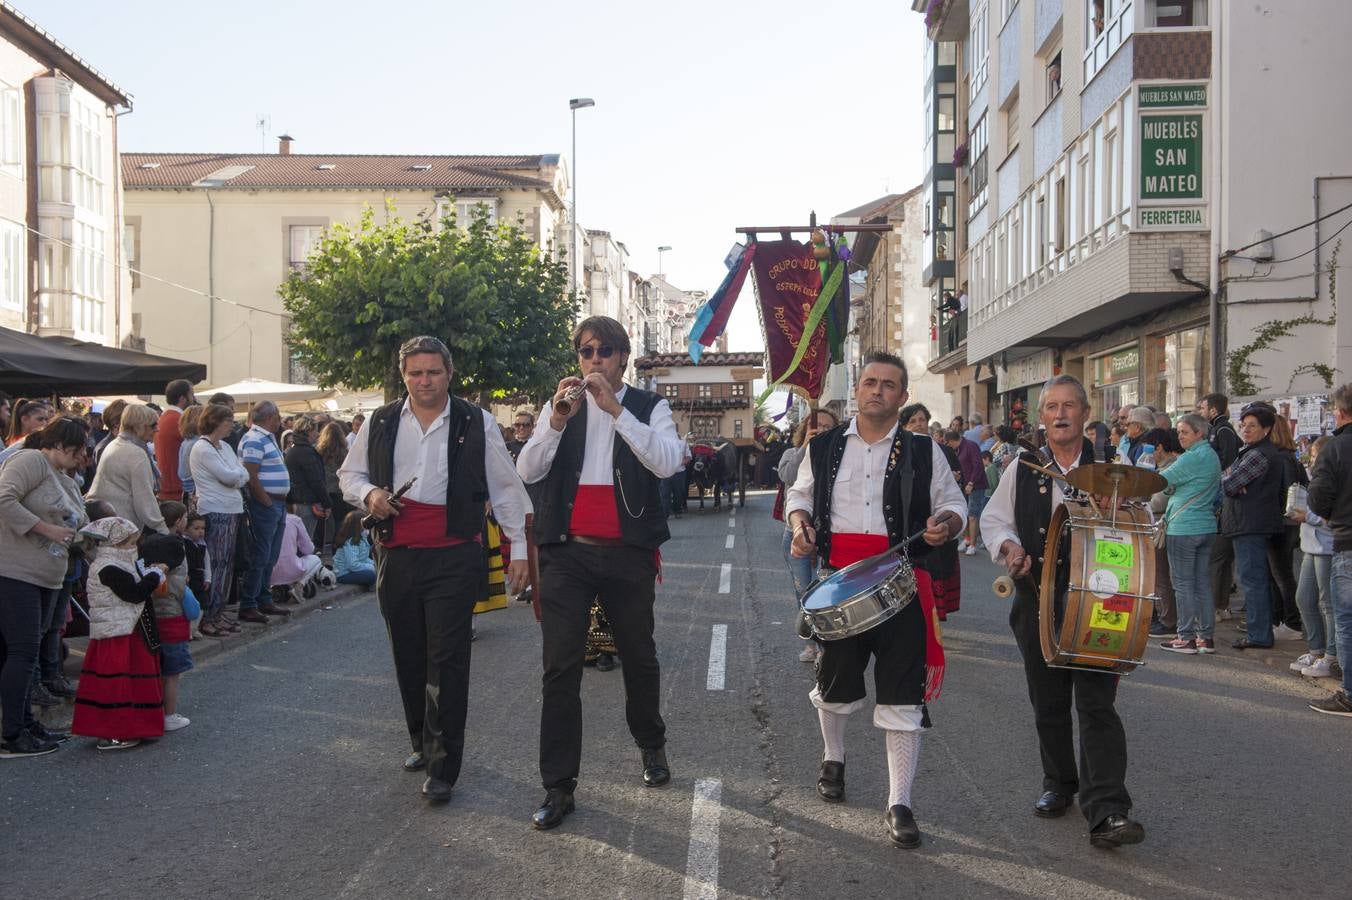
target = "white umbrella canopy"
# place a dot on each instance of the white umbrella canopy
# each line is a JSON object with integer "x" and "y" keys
{"x": 256, "y": 390}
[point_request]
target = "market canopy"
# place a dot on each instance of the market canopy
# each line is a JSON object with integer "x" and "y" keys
{"x": 256, "y": 390}
{"x": 34, "y": 366}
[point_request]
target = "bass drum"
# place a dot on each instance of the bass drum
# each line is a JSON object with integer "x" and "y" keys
{"x": 858, "y": 597}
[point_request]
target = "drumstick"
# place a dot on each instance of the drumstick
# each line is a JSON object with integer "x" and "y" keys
{"x": 1051, "y": 473}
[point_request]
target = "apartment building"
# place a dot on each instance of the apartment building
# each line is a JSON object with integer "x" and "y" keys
{"x": 716, "y": 398}
{"x": 62, "y": 269}
{"x": 1092, "y": 167}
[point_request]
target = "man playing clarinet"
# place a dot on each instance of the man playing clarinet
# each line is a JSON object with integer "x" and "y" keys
{"x": 863, "y": 487}
{"x": 596, "y": 464}
{"x": 1015, "y": 524}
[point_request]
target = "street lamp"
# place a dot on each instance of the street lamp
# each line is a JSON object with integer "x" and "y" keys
{"x": 575, "y": 104}
{"x": 660, "y": 251}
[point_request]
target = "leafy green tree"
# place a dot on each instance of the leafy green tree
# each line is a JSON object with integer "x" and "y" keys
{"x": 498, "y": 301}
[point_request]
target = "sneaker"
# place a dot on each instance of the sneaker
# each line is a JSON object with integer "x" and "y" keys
{"x": 1302, "y": 662}
{"x": 113, "y": 744}
{"x": 40, "y": 731}
{"x": 1159, "y": 629}
{"x": 809, "y": 653}
{"x": 1178, "y": 645}
{"x": 1206, "y": 645}
{"x": 173, "y": 722}
{"x": 970, "y": 551}
{"x": 1285, "y": 633}
{"x": 40, "y": 696}
{"x": 25, "y": 744}
{"x": 1337, "y": 705}
{"x": 1320, "y": 668}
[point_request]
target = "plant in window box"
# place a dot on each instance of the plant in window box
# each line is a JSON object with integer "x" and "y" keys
{"x": 960, "y": 154}
{"x": 932, "y": 12}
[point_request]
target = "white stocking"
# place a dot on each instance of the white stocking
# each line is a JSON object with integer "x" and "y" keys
{"x": 903, "y": 755}
{"x": 833, "y": 734}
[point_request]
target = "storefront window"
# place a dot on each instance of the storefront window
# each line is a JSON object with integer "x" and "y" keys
{"x": 1179, "y": 362}
{"x": 1117, "y": 380}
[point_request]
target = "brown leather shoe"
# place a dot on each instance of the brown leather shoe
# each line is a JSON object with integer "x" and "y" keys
{"x": 252, "y": 615}
{"x": 271, "y": 609}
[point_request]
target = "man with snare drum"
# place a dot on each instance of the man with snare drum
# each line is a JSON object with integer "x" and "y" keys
{"x": 1015, "y": 524}
{"x": 866, "y": 486}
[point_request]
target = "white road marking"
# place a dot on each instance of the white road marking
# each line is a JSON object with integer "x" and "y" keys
{"x": 701, "y": 865}
{"x": 725, "y": 578}
{"x": 718, "y": 658}
{"x": 728, "y": 544}
{"x": 732, "y": 523}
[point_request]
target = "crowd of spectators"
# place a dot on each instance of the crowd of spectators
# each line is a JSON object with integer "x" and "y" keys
{"x": 152, "y": 527}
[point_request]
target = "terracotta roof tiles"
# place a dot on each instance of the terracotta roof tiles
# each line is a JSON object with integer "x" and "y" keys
{"x": 668, "y": 360}
{"x": 307, "y": 171}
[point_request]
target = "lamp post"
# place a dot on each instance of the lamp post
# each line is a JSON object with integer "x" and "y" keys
{"x": 660, "y": 251}
{"x": 574, "y": 105}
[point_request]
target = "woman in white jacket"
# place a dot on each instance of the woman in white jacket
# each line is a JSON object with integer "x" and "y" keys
{"x": 218, "y": 476}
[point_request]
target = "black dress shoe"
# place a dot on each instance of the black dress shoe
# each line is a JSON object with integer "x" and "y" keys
{"x": 415, "y": 762}
{"x": 558, "y": 803}
{"x": 605, "y": 662}
{"x": 253, "y": 615}
{"x": 272, "y": 609}
{"x": 656, "y": 772}
{"x": 901, "y": 826}
{"x": 831, "y": 781}
{"x": 1115, "y": 831}
{"x": 1246, "y": 644}
{"x": 436, "y": 790}
{"x": 1052, "y": 805}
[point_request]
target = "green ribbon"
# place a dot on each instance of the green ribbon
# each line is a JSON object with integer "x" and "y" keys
{"x": 814, "y": 320}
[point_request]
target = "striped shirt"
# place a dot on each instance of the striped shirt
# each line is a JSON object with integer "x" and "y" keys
{"x": 260, "y": 448}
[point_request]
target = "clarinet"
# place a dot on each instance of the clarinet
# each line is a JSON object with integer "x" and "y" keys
{"x": 564, "y": 405}
{"x": 383, "y": 529}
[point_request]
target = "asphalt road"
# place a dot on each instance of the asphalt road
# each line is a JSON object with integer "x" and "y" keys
{"x": 288, "y": 782}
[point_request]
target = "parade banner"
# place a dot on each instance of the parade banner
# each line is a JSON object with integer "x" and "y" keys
{"x": 788, "y": 283}
{"x": 712, "y": 318}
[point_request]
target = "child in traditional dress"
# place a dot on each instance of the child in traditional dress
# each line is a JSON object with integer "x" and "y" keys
{"x": 120, "y": 698}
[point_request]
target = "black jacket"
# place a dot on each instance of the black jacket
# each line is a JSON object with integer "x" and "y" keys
{"x": 1331, "y": 487}
{"x": 1225, "y": 441}
{"x": 306, "y": 469}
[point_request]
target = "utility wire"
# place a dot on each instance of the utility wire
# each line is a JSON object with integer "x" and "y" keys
{"x": 1230, "y": 253}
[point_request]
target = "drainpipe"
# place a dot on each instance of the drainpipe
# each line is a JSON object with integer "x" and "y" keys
{"x": 1215, "y": 324}
{"x": 211, "y": 288}
{"x": 120, "y": 227}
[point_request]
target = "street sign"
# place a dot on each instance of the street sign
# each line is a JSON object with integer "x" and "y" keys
{"x": 1171, "y": 157}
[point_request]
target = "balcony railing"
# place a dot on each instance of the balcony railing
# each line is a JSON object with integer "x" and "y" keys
{"x": 952, "y": 332}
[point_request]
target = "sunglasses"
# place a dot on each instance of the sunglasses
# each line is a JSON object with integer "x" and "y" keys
{"x": 605, "y": 351}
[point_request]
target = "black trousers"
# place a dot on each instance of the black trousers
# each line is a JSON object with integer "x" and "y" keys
{"x": 427, "y": 598}
{"x": 1281, "y": 556}
{"x": 1222, "y": 566}
{"x": 1100, "y": 779}
{"x": 622, "y": 578}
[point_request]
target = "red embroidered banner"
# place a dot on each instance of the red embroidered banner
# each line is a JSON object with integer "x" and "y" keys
{"x": 788, "y": 282}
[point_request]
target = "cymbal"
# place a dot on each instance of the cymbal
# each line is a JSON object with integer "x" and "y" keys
{"x": 1103, "y": 478}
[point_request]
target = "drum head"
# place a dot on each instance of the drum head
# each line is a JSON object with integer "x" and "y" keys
{"x": 849, "y": 582}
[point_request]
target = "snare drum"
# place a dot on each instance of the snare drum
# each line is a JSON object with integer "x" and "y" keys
{"x": 854, "y": 599}
{"x": 1104, "y": 623}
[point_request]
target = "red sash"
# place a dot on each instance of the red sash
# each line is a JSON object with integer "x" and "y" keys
{"x": 421, "y": 526}
{"x": 847, "y": 549}
{"x": 594, "y": 512}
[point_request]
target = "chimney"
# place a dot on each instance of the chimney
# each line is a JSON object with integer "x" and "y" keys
{"x": 284, "y": 144}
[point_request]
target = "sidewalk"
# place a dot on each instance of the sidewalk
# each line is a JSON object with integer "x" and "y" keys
{"x": 58, "y": 717}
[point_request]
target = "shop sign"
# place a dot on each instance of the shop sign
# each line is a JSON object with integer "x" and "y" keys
{"x": 1123, "y": 362}
{"x": 1171, "y": 217}
{"x": 1035, "y": 369}
{"x": 1153, "y": 96}
{"x": 1171, "y": 157}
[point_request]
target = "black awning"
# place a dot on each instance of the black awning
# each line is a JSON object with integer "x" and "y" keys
{"x": 33, "y": 366}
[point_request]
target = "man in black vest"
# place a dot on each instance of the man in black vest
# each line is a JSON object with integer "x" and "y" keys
{"x": 596, "y": 473}
{"x": 430, "y": 568}
{"x": 867, "y": 485}
{"x": 1015, "y": 525}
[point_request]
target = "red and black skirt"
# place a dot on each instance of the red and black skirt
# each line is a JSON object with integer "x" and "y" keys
{"x": 119, "y": 695}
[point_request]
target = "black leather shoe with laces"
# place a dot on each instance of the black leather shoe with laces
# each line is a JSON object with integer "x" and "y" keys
{"x": 1115, "y": 831}
{"x": 558, "y": 804}
{"x": 656, "y": 772}
{"x": 1052, "y": 805}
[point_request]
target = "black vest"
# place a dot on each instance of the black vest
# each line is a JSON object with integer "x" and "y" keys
{"x": 906, "y": 488}
{"x": 466, "y": 479}
{"x": 1259, "y": 509}
{"x": 1033, "y": 504}
{"x": 638, "y": 492}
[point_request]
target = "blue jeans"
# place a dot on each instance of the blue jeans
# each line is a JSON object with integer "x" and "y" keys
{"x": 1190, "y": 569}
{"x": 267, "y": 524}
{"x": 800, "y": 570}
{"x": 1340, "y": 585}
{"x": 363, "y": 577}
{"x": 21, "y": 608}
{"x": 1316, "y": 606}
{"x": 1255, "y": 580}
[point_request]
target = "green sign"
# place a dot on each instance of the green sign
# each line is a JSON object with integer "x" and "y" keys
{"x": 1171, "y": 157}
{"x": 1161, "y": 95}
{"x": 1170, "y": 216}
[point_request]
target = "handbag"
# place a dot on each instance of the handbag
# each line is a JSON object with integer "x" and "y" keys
{"x": 1162, "y": 525}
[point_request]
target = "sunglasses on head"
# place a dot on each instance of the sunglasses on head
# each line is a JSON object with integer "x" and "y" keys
{"x": 605, "y": 351}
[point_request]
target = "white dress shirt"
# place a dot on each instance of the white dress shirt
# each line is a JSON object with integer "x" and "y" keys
{"x": 657, "y": 445}
{"x": 857, "y": 501}
{"x": 423, "y": 453}
{"x": 997, "y": 520}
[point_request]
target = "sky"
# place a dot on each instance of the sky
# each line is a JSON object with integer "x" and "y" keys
{"x": 708, "y": 116}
